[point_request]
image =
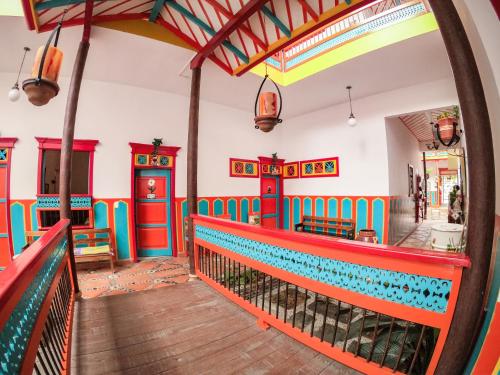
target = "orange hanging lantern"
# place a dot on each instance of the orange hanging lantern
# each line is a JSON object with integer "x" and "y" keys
{"x": 42, "y": 87}
{"x": 267, "y": 108}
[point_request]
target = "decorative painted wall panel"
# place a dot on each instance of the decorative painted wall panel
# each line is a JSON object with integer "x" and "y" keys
{"x": 243, "y": 168}
{"x": 147, "y": 160}
{"x": 291, "y": 170}
{"x": 328, "y": 167}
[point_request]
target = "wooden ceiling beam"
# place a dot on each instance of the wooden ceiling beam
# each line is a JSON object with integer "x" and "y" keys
{"x": 223, "y": 34}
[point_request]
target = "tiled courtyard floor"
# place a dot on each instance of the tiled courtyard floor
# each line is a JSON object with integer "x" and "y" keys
{"x": 421, "y": 237}
{"x": 96, "y": 280}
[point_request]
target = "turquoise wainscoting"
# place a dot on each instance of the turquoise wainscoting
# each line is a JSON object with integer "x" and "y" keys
{"x": 232, "y": 209}
{"x": 286, "y": 213}
{"x": 18, "y": 226}
{"x": 122, "y": 229}
{"x": 218, "y": 207}
{"x": 244, "y": 210}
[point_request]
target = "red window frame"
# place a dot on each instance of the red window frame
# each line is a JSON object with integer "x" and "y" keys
{"x": 85, "y": 145}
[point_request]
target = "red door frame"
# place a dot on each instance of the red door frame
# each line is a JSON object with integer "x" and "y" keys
{"x": 9, "y": 144}
{"x": 264, "y": 163}
{"x": 147, "y": 149}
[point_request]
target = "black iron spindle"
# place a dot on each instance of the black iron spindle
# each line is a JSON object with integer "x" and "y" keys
{"x": 304, "y": 312}
{"x": 401, "y": 350}
{"x": 278, "y": 299}
{"x": 286, "y": 301}
{"x": 314, "y": 313}
{"x": 360, "y": 333}
{"x": 336, "y": 325}
{"x": 417, "y": 350}
{"x": 295, "y": 305}
{"x": 327, "y": 305}
{"x": 387, "y": 343}
{"x": 347, "y": 328}
{"x": 374, "y": 338}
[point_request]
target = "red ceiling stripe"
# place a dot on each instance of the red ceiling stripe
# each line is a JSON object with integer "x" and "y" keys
{"x": 306, "y": 8}
{"x": 103, "y": 18}
{"x": 113, "y": 7}
{"x": 275, "y": 27}
{"x": 83, "y": 12}
{"x": 173, "y": 19}
{"x": 320, "y": 4}
{"x": 237, "y": 30}
{"x": 58, "y": 15}
{"x": 259, "y": 13}
{"x": 135, "y": 6}
{"x": 289, "y": 13}
{"x": 191, "y": 42}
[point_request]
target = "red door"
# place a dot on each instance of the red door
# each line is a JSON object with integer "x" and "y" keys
{"x": 271, "y": 201}
{"x": 152, "y": 213}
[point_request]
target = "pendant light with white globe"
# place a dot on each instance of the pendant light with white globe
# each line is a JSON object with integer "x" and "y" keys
{"x": 351, "y": 121}
{"x": 14, "y": 93}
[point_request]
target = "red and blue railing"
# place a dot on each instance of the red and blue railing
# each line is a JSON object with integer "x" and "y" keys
{"x": 36, "y": 307}
{"x": 378, "y": 309}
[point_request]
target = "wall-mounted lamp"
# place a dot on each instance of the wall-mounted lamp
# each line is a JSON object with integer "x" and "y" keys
{"x": 14, "y": 91}
{"x": 351, "y": 121}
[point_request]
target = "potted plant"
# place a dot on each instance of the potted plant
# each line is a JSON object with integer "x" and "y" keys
{"x": 446, "y": 124}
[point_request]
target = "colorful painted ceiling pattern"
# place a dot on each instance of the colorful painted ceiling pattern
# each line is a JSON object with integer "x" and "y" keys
{"x": 419, "y": 123}
{"x": 274, "y": 24}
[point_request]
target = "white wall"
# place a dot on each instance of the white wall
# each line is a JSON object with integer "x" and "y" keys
{"x": 402, "y": 149}
{"x": 362, "y": 149}
{"x": 483, "y": 29}
{"x": 116, "y": 115}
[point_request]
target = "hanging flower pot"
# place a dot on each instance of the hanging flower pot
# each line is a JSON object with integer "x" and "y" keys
{"x": 42, "y": 87}
{"x": 446, "y": 128}
{"x": 266, "y": 108}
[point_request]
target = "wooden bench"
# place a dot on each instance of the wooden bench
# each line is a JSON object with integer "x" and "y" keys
{"x": 99, "y": 245}
{"x": 330, "y": 226}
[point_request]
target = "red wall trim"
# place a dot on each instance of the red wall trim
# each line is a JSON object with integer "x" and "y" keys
{"x": 7, "y": 142}
{"x": 143, "y": 148}
{"x": 55, "y": 144}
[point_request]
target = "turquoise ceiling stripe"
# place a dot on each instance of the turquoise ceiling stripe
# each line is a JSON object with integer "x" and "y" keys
{"x": 190, "y": 16}
{"x": 56, "y": 3}
{"x": 269, "y": 14}
{"x": 155, "y": 12}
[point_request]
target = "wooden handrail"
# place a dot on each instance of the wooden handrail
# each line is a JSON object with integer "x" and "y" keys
{"x": 410, "y": 254}
{"x": 36, "y": 299}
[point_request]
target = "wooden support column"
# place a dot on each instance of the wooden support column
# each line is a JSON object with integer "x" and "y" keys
{"x": 192, "y": 160}
{"x": 68, "y": 135}
{"x": 481, "y": 216}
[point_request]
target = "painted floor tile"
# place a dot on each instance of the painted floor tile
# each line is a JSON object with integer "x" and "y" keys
{"x": 96, "y": 280}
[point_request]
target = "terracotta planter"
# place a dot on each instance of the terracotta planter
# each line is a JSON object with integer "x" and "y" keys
{"x": 40, "y": 92}
{"x": 367, "y": 235}
{"x": 446, "y": 128}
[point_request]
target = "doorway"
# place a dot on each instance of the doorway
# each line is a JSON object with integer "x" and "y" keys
{"x": 270, "y": 196}
{"x": 153, "y": 219}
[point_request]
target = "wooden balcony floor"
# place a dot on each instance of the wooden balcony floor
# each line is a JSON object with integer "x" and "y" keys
{"x": 184, "y": 329}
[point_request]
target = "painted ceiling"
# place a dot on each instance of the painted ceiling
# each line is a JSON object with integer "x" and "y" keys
{"x": 274, "y": 24}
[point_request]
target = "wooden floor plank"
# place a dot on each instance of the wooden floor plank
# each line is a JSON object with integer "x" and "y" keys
{"x": 183, "y": 329}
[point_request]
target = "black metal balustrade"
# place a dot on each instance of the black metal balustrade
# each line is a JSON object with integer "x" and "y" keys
{"x": 400, "y": 345}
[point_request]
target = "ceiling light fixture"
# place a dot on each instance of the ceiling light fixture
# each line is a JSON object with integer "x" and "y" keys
{"x": 351, "y": 121}
{"x": 14, "y": 91}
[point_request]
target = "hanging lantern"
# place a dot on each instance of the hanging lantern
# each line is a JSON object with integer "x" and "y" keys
{"x": 42, "y": 87}
{"x": 267, "y": 114}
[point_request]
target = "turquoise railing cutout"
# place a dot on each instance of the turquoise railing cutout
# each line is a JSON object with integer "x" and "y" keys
{"x": 15, "y": 335}
{"x": 424, "y": 292}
